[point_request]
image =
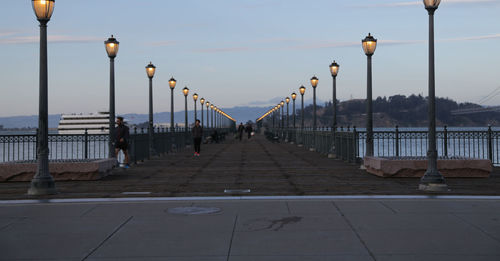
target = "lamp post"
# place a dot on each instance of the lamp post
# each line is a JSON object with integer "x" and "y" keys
{"x": 112, "y": 49}
{"x": 302, "y": 90}
{"x": 287, "y": 100}
{"x": 43, "y": 183}
{"x": 432, "y": 179}
{"x": 202, "y": 101}
{"x": 207, "y": 104}
{"x": 369, "y": 45}
{"x": 150, "y": 71}
{"x": 334, "y": 70}
{"x": 282, "y": 106}
{"x": 195, "y": 99}
{"x": 171, "y": 83}
{"x": 212, "y": 115}
{"x": 314, "y": 84}
{"x": 294, "y": 96}
{"x": 185, "y": 91}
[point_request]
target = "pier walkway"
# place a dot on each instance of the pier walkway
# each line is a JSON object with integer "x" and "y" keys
{"x": 257, "y": 165}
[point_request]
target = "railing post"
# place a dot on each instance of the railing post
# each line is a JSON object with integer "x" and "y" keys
{"x": 86, "y": 144}
{"x": 356, "y": 145}
{"x": 397, "y": 141}
{"x": 36, "y": 145}
{"x": 445, "y": 141}
{"x": 490, "y": 144}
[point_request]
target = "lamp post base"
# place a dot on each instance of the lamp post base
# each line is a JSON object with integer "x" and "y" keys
{"x": 432, "y": 181}
{"x": 312, "y": 149}
{"x": 435, "y": 187}
{"x": 300, "y": 145}
{"x": 42, "y": 186}
{"x": 332, "y": 155}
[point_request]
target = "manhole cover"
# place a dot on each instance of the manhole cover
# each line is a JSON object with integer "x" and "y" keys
{"x": 193, "y": 210}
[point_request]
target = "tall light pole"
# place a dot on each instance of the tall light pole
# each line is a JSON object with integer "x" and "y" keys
{"x": 150, "y": 71}
{"x": 334, "y": 70}
{"x": 202, "y": 101}
{"x": 294, "y": 96}
{"x": 369, "y": 46}
{"x": 302, "y": 90}
{"x": 314, "y": 84}
{"x": 207, "y": 104}
{"x": 43, "y": 183}
{"x": 282, "y": 105}
{"x": 112, "y": 49}
{"x": 432, "y": 179}
{"x": 287, "y": 100}
{"x": 195, "y": 99}
{"x": 171, "y": 83}
{"x": 185, "y": 91}
{"x": 212, "y": 115}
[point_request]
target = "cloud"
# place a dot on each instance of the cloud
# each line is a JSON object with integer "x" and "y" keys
{"x": 163, "y": 43}
{"x": 321, "y": 45}
{"x": 419, "y": 3}
{"x": 15, "y": 38}
{"x": 471, "y": 38}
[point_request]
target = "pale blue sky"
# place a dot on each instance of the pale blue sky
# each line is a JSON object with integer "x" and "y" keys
{"x": 244, "y": 52}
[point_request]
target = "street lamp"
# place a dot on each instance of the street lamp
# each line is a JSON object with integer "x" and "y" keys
{"x": 207, "y": 104}
{"x": 43, "y": 183}
{"x": 314, "y": 84}
{"x": 282, "y": 105}
{"x": 212, "y": 115}
{"x": 112, "y": 49}
{"x": 150, "y": 71}
{"x": 185, "y": 91}
{"x": 287, "y": 100}
{"x": 302, "y": 90}
{"x": 195, "y": 99}
{"x": 294, "y": 96}
{"x": 334, "y": 70}
{"x": 369, "y": 45}
{"x": 432, "y": 179}
{"x": 171, "y": 83}
{"x": 202, "y": 101}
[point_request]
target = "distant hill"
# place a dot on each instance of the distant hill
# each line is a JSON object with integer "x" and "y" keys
{"x": 401, "y": 110}
{"x": 405, "y": 111}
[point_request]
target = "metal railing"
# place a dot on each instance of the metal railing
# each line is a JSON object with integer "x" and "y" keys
{"x": 23, "y": 147}
{"x": 350, "y": 143}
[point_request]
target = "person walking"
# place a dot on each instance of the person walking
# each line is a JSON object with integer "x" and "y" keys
{"x": 121, "y": 140}
{"x": 197, "y": 132}
{"x": 241, "y": 128}
{"x": 249, "y": 130}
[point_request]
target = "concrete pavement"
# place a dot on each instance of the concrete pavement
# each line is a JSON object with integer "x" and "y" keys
{"x": 287, "y": 229}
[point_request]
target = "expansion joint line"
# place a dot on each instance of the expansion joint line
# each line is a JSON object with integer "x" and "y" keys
{"x": 232, "y": 236}
{"x": 108, "y": 237}
{"x": 355, "y": 232}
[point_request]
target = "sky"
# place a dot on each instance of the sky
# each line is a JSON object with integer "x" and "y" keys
{"x": 244, "y": 52}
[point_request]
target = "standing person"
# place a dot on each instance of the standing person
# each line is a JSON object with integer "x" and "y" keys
{"x": 241, "y": 128}
{"x": 249, "y": 130}
{"x": 197, "y": 132}
{"x": 121, "y": 140}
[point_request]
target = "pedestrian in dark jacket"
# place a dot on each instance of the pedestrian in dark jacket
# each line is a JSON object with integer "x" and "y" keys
{"x": 197, "y": 132}
{"x": 241, "y": 129}
{"x": 249, "y": 130}
{"x": 121, "y": 140}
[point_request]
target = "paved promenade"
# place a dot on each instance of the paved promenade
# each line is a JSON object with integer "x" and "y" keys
{"x": 254, "y": 230}
{"x": 257, "y": 165}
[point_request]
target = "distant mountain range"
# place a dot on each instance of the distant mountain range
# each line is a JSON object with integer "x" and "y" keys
{"x": 241, "y": 114}
{"x": 399, "y": 110}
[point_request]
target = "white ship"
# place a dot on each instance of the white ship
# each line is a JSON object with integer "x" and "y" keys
{"x": 77, "y": 123}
